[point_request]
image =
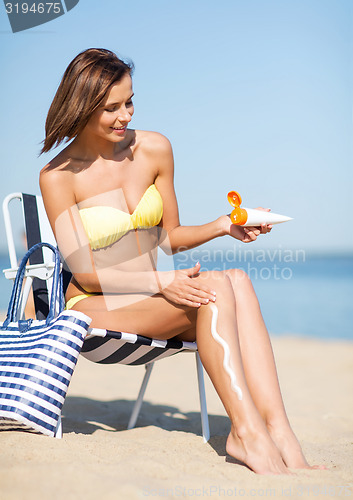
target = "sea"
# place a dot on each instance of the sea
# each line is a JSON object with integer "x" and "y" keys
{"x": 300, "y": 294}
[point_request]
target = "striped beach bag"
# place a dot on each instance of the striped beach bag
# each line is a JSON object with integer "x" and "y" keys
{"x": 38, "y": 357}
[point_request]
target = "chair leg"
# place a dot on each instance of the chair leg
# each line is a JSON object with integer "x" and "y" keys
{"x": 138, "y": 402}
{"x": 203, "y": 405}
{"x": 59, "y": 429}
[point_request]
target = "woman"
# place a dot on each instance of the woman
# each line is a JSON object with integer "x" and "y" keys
{"x": 110, "y": 199}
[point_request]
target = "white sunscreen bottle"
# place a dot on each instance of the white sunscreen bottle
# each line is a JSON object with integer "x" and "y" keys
{"x": 252, "y": 216}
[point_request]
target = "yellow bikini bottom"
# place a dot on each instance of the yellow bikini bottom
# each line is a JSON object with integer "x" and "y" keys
{"x": 71, "y": 302}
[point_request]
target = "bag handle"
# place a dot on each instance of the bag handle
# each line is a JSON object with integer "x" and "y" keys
{"x": 57, "y": 286}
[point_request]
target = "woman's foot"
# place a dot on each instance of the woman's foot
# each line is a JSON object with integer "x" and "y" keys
{"x": 257, "y": 451}
{"x": 289, "y": 448}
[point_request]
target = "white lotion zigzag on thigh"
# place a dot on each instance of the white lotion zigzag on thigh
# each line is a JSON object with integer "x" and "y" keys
{"x": 226, "y": 359}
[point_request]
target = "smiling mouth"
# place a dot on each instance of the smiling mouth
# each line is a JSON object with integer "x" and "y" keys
{"x": 119, "y": 128}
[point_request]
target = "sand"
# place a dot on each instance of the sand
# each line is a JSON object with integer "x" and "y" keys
{"x": 165, "y": 457}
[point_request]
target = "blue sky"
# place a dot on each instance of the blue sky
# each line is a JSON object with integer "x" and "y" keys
{"x": 254, "y": 95}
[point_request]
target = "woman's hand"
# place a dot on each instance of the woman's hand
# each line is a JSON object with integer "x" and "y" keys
{"x": 184, "y": 289}
{"x": 244, "y": 234}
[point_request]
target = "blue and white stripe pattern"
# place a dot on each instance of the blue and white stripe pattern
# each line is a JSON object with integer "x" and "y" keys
{"x": 36, "y": 369}
{"x": 37, "y": 358}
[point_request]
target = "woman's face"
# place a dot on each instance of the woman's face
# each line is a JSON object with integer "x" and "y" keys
{"x": 111, "y": 119}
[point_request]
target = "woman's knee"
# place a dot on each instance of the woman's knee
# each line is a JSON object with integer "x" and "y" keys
{"x": 238, "y": 276}
{"x": 218, "y": 281}
{"x": 240, "y": 281}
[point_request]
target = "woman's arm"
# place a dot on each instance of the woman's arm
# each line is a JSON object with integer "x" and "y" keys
{"x": 185, "y": 237}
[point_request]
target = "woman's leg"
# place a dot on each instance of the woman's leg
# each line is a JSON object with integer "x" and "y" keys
{"x": 249, "y": 440}
{"x": 260, "y": 369}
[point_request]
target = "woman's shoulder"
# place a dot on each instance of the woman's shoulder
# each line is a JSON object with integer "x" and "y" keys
{"x": 58, "y": 170}
{"x": 152, "y": 142}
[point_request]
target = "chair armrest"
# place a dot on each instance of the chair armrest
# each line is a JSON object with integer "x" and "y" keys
{"x": 42, "y": 271}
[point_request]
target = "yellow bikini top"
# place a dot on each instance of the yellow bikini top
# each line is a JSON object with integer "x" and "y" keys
{"x": 106, "y": 225}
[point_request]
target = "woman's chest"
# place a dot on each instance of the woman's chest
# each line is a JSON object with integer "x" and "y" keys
{"x": 113, "y": 184}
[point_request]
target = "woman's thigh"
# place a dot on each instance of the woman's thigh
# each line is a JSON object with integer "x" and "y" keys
{"x": 154, "y": 317}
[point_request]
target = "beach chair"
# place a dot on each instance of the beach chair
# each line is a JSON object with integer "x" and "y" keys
{"x": 100, "y": 346}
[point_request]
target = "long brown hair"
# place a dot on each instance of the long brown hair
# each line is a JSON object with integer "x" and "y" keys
{"x": 82, "y": 89}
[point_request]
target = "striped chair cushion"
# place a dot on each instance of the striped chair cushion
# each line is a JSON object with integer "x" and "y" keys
{"x": 130, "y": 349}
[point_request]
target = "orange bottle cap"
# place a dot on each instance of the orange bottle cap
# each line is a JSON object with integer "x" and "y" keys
{"x": 239, "y": 216}
{"x": 234, "y": 198}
